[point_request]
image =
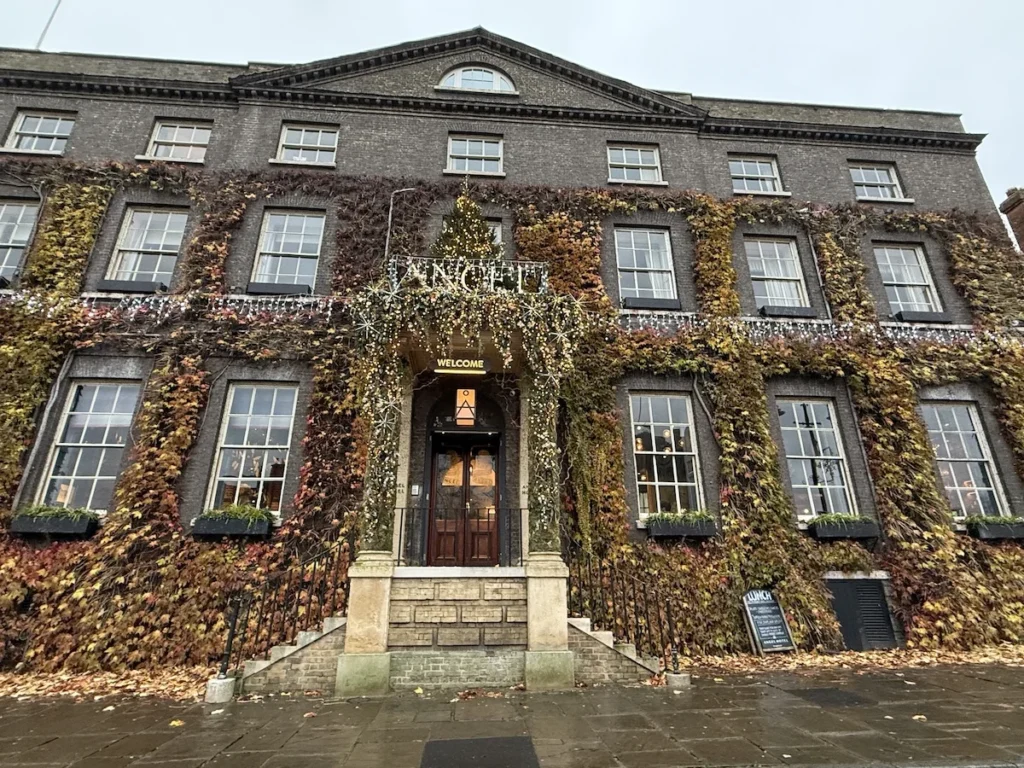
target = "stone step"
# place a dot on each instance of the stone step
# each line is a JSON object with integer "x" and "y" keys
{"x": 252, "y": 666}
{"x": 581, "y": 624}
{"x": 626, "y": 649}
{"x": 332, "y": 623}
{"x": 605, "y": 637}
{"x": 278, "y": 652}
{"x": 651, "y": 662}
{"x": 308, "y": 636}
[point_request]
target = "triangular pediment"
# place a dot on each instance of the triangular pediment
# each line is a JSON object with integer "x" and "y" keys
{"x": 414, "y": 71}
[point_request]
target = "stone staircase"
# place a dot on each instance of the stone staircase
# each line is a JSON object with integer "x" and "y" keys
{"x": 600, "y": 659}
{"x": 311, "y": 663}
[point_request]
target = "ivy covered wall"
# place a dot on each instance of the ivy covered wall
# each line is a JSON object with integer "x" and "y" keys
{"x": 142, "y": 592}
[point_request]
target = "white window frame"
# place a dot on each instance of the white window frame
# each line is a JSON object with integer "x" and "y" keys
{"x": 776, "y": 177}
{"x": 671, "y": 263}
{"x": 117, "y": 259}
{"x": 154, "y": 141}
{"x": 925, "y": 267}
{"x": 12, "y": 245}
{"x": 19, "y": 120}
{"x": 56, "y": 443}
{"x": 799, "y": 280}
{"x": 986, "y": 453}
{"x": 687, "y": 398}
{"x": 282, "y": 146}
{"x": 211, "y": 493}
{"x": 449, "y": 167}
{"x": 896, "y": 184}
{"x": 844, "y": 465}
{"x": 498, "y": 77}
{"x": 497, "y": 230}
{"x": 659, "y": 182}
{"x": 260, "y": 252}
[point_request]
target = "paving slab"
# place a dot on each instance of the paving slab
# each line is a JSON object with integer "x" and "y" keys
{"x": 948, "y": 718}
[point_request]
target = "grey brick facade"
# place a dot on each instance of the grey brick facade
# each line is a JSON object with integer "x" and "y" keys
{"x": 394, "y": 121}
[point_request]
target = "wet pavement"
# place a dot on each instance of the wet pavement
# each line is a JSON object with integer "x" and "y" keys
{"x": 933, "y": 717}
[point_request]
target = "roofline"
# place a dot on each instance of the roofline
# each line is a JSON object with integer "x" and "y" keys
{"x": 122, "y": 57}
{"x": 667, "y": 93}
{"x": 824, "y": 106}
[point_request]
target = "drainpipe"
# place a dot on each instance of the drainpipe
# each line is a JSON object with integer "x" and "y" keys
{"x": 387, "y": 238}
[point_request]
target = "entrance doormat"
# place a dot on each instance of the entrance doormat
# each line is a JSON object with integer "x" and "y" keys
{"x": 507, "y": 752}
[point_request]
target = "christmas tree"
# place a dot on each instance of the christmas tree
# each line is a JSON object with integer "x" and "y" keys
{"x": 465, "y": 233}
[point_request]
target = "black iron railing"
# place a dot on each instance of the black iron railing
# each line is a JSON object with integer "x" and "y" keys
{"x": 293, "y": 601}
{"x": 464, "y": 536}
{"x": 632, "y": 609}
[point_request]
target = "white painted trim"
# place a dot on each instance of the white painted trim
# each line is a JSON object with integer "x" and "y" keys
{"x": 170, "y": 161}
{"x": 856, "y": 575}
{"x": 16, "y": 151}
{"x": 457, "y": 572}
{"x": 761, "y": 193}
{"x": 275, "y": 161}
{"x": 899, "y": 200}
{"x": 639, "y": 183}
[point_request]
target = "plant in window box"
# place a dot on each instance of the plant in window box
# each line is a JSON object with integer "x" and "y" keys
{"x": 233, "y": 520}
{"x": 840, "y": 526}
{"x": 55, "y": 521}
{"x": 695, "y": 525}
{"x": 995, "y": 527}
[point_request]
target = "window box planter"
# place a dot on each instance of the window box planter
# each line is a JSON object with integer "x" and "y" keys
{"x": 691, "y": 529}
{"x": 212, "y": 525}
{"x": 54, "y": 525}
{"x": 1011, "y": 529}
{"x": 130, "y": 286}
{"x": 772, "y": 310}
{"x": 845, "y": 529}
{"x": 278, "y": 289}
{"x": 631, "y": 302}
{"x": 922, "y": 317}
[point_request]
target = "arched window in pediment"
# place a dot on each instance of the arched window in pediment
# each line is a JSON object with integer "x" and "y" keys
{"x": 477, "y": 78}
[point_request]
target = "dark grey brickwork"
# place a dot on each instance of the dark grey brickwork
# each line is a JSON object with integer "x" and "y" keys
{"x": 98, "y": 364}
{"x": 595, "y": 662}
{"x": 681, "y": 241}
{"x": 106, "y": 240}
{"x": 313, "y": 667}
{"x": 808, "y": 265}
{"x": 793, "y": 387}
{"x": 1002, "y": 455}
{"x": 953, "y": 305}
{"x": 194, "y": 485}
{"x": 707, "y": 448}
{"x": 457, "y": 669}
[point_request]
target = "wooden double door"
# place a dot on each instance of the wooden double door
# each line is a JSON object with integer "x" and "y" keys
{"x": 464, "y": 515}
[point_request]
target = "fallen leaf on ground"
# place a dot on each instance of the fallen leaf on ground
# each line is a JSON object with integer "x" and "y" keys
{"x": 310, "y": 714}
{"x": 920, "y": 718}
{"x": 109, "y": 709}
{"x": 176, "y": 723}
{"x": 216, "y": 711}
{"x": 418, "y": 691}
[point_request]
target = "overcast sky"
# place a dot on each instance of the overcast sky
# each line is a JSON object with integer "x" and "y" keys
{"x": 960, "y": 56}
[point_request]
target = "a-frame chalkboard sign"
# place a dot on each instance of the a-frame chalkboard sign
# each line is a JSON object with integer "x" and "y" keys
{"x": 766, "y": 622}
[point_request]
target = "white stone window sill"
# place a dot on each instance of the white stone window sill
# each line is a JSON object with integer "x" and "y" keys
{"x": 639, "y": 183}
{"x": 16, "y": 151}
{"x": 930, "y": 326}
{"x": 647, "y": 312}
{"x": 856, "y": 575}
{"x": 760, "y": 193}
{"x": 152, "y": 159}
{"x": 796, "y": 320}
{"x": 455, "y": 572}
{"x": 478, "y": 91}
{"x": 275, "y": 161}
{"x": 886, "y": 200}
{"x": 450, "y": 172}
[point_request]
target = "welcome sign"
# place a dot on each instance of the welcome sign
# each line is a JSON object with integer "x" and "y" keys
{"x": 471, "y": 365}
